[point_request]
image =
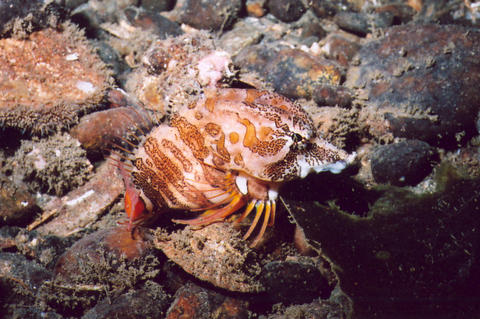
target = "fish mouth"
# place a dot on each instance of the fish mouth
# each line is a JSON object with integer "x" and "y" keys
{"x": 335, "y": 167}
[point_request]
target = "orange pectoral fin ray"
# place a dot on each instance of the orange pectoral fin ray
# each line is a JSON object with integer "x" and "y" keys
{"x": 260, "y": 205}
{"x": 213, "y": 215}
{"x": 266, "y": 218}
{"x": 272, "y": 215}
{"x": 247, "y": 211}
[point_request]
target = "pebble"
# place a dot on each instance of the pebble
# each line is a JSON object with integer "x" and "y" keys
{"x": 93, "y": 14}
{"x": 404, "y": 163}
{"x": 412, "y": 78}
{"x": 293, "y": 282}
{"x": 256, "y": 8}
{"x": 99, "y": 131}
{"x": 72, "y": 4}
{"x": 313, "y": 30}
{"x": 286, "y": 10}
{"x": 338, "y": 47}
{"x": 325, "y": 8}
{"x": 244, "y": 35}
{"x": 17, "y": 205}
{"x": 209, "y": 14}
{"x": 192, "y": 301}
{"x": 292, "y": 72}
{"x": 153, "y": 21}
{"x": 110, "y": 57}
{"x": 296, "y": 74}
{"x": 363, "y": 23}
{"x": 253, "y": 58}
{"x": 82, "y": 206}
{"x": 157, "y": 5}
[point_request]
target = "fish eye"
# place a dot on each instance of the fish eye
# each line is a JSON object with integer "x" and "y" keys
{"x": 299, "y": 142}
{"x": 296, "y": 137}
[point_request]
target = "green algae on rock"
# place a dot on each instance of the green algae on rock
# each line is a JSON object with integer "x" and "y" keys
{"x": 47, "y": 79}
{"x": 411, "y": 254}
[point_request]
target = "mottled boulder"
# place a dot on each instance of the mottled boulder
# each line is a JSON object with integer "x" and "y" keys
{"x": 420, "y": 82}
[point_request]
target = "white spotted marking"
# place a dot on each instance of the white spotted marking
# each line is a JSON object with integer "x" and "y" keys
{"x": 72, "y": 57}
{"x": 272, "y": 194}
{"x": 85, "y": 87}
{"x": 241, "y": 182}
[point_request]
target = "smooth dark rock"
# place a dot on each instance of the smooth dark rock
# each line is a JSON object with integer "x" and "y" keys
{"x": 292, "y": 282}
{"x": 404, "y": 163}
{"x": 210, "y": 14}
{"x": 286, "y": 10}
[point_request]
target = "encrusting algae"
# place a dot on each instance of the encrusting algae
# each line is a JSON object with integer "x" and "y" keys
{"x": 48, "y": 78}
